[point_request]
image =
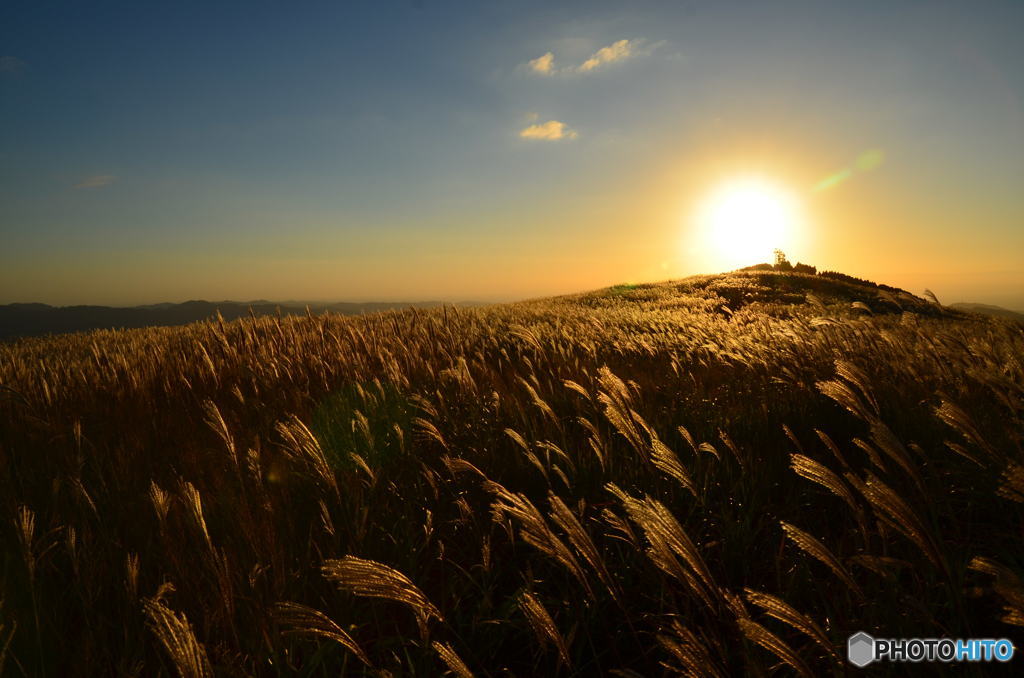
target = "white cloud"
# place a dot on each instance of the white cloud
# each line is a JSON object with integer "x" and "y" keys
{"x": 617, "y": 51}
{"x": 620, "y": 50}
{"x": 552, "y": 130}
{"x": 96, "y": 181}
{"x": 543, "y": 64}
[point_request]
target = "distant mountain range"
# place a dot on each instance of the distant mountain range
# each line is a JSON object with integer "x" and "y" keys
{"x": 29, "y": 320}
{"x": 988, "y": 309}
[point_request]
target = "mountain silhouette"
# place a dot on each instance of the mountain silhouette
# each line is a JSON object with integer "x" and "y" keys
{"x": 29, "y": 320}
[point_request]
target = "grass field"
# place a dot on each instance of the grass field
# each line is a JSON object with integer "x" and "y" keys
{"x": 725, "y": 475}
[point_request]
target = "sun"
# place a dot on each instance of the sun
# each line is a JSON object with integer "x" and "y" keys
{"x": 744, "y": 220}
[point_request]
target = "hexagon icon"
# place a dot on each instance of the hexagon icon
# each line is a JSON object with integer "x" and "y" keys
{"x": 860, "y": 649}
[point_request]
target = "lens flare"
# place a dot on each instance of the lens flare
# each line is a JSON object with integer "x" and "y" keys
{"x": 868, "y": 160}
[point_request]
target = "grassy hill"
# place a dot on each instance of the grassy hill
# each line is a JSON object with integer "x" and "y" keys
{"x": 988, "y": 309}
{"x": 713, "y": 476}
{"x": 31, "y": 320}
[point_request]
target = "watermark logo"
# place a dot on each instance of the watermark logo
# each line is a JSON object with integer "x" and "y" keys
{"x": 863, "y": 649}
{"x": 860, "y": 649}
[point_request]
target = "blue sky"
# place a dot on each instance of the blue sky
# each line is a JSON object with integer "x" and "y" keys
{"x": 164, "y": 151}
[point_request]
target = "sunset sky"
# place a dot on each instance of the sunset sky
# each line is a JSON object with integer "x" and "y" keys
{"x": 500, "y": 150}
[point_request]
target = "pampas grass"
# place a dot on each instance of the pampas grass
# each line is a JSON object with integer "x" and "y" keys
{"x": 176, "y": 636}
{"x": 610, "y": 483}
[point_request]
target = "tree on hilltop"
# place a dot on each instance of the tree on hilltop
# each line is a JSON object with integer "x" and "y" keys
{"x": 781, "y": 263}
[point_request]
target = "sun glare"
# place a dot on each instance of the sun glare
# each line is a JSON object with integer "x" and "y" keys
{"x": 743, "y": 221}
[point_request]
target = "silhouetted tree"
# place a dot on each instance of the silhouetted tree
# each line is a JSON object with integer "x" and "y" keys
{"x": 805, "y": 268}
{"x": 781, "y": 263}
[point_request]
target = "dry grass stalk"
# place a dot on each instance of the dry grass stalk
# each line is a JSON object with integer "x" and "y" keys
{"x": 872, "y": 454}
{"x": 784, "y": 612}
{"x": 934, "y": 299}
{"x": 902, "y": 518}
{"x": 688, "y": 438}
{"x": 363, "y": 466}
{"x": 957, "y": 418}
{"x": 621, "y": 529}
{"x": 1012, "y": 485}
{"x": 542, "y": 624}
{"x": 769, "y": 641}
{"x": 962, "y": 451}
{"x": 855, "y": 376}
{"x": 740, "y": 458}
{"x": 819, "y": 551}
{"x": 459, "y": 465}
{"x": 816, "y": 302}
{"x": 792, "y": 438}
{"x": 534, "y": 530}
{"x": 518, "y": 439}
{"x": 692, "y": 654}
{"x": 1007, "y": 585}
{"x": 83, "y": 495}
{"x": 528, "y": 336}
{"x": 428, "y": 429}
{"x": 215, "y": 420}
{"x": 549, "y": 447}
{"x": 25, "y": 526}
{"x": 371, "y": 579}
{"x": 734, "y": 603}
{"x": 361, "y": 424}
{"x": 668, "y": 540}
{"x": 452, "y": 660}
{"x": 161, "y": 502}
{"x": 891, "y": 445}
{"x": 617, "y": 402}
{"x": 177, "y": 637}
{"x": 541, "y": 404}
{"x": 709, "y": 449}
{"x": 883, "y": 566}
{"x": 832, "y": 447}
{"x": 194, "y": 503}
{"x": 131, "y": 577}
{"x": 581, "y": 541}
{"x": 824, "y": 476}
{"x": 843, "y": 393}
{"x": 302, "y": 445}
{"x": 573, "y": 386}
{"x": 307, "y": 621}
{"x": 668, "y": 463}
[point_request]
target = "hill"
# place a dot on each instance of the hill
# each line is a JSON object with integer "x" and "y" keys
{"x": 988, "y": 309}
{"x": 30, "y": 320}
{"x": 772, "y": 292}
{"x": 713, "y": 476}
